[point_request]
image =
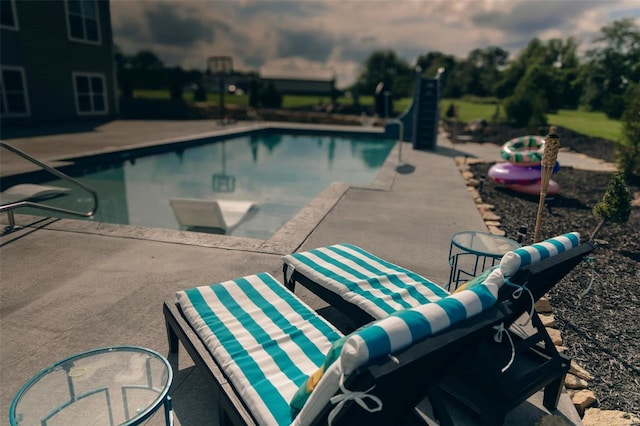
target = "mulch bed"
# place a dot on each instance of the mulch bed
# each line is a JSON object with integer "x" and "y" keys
{"x": 601, "y": 329}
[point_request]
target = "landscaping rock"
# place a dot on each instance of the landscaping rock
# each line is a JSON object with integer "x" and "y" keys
{"x": 582, "y": 400}
{"x": 579, "y": 371}
{"x": 548, "y": 320}
{"x": 574, "y": 382}
{"x": 543, "y": 305}
{"x": 556, "y": 338}
{"x": 598, "y": 417}
{"x": 496, "y": 231}
{"x": 490, "y": 216}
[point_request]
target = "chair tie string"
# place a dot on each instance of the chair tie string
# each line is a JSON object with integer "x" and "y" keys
{"x": 357, "y": 396}
{"x": 516, "y": 295}
{"x": 589, "y": 261}
{"x": 500, "y": 331}
{"x": 288, "y": 273}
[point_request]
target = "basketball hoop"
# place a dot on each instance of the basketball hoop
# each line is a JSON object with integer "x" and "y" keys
{"x": 222, "y": 182}
{"x": 220, "y": 66}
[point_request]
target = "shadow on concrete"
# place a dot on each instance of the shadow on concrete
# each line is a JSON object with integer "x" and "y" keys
{"x": 405, "y": 169}
{"x": 9, "y": 236}
{"x": 452, "y": 152}
{"x": 29, "y": 130}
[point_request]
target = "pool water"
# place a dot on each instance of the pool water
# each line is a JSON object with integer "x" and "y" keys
{"x": 280, "y": 173}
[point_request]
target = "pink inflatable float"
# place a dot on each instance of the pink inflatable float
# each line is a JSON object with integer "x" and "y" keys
{"x": 522, "y": 171}
{"x": 534, "y": 189}
{"x": 508, "y": 173}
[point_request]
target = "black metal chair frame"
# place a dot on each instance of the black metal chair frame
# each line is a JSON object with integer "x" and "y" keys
{"x": 461, "y": 364}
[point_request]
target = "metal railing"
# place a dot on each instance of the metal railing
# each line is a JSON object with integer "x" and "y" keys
{"x": 9, "y": 207}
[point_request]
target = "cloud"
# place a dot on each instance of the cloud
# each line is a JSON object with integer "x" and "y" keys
{"x": 525, "y": 17}
{"x": 167, "y": 26}
{"x": 314, "y": 45}
{"x": 342, "y": 34}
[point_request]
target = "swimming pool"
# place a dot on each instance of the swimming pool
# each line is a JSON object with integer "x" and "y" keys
{"x": 279, "y": 172}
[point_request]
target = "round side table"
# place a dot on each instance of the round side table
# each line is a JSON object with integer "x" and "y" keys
{"x": 107, "y": 386}
{"x": 472, "y": 252}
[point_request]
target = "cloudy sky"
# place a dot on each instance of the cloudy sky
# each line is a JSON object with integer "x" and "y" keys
{"x": 341, "y": 34}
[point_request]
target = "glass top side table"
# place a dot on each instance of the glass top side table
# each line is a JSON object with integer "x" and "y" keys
{"x": 107, "y": 386}
{"x": 472, "y": 252}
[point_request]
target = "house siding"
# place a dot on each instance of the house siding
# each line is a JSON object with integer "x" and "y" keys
{"x": 42, "y": 46}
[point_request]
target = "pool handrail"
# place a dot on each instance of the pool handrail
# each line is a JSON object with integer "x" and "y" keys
{"x": 9, "y": 207}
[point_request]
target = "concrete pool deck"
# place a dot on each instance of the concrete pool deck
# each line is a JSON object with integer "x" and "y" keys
{"x": 69, "y": 286}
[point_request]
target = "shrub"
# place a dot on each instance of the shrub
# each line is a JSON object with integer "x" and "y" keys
{"x": 526, "y": 111}
{"x": 127, "y": 90}
{"x": 175, "y": 89}
{"x": 254, "y": 93}
{"x": 451, "y": 111}
{"x": 615, "y": 206}
{"x": 614, "y": 106}
{"x": 200, "y": 94}
{"x": 271, "y": 98}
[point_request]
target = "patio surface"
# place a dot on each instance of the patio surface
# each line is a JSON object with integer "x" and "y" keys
{"x": 69, "y": 286}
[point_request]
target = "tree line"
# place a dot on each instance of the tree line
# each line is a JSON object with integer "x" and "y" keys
{"x": 543, "y": 77}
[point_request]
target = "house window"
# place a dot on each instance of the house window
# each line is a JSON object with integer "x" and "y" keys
{"x": 8, "y": 17}
{"x": 82, "y": 19}
{"x": 90, "y": 93}
{"x": 14, "y": 101}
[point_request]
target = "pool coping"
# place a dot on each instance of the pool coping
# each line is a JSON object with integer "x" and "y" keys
{"x": 286, "y": 240}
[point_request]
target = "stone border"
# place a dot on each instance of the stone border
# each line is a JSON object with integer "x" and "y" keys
{"x": 577, "y": 379}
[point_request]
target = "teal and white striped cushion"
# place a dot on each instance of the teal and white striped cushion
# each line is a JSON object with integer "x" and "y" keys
{"x": 514, "y": 260}
{"x": 406, "y": 327}
{"x": 235, "y": 319}
{"x": 374, "y": 285}
{"x": 399, "y": 331}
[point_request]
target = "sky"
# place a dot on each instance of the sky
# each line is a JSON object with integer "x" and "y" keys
{"x": 313, "y": 36}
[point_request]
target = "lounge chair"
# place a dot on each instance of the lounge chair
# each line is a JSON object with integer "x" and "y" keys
{"x": 215, "y": 216}
{"x": 366, "y": 287}
{"x": 273, "y": 360}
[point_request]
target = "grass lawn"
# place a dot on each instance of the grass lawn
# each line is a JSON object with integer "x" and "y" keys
{"x": 468, "y": 110}
{"x": 152, "y": 94}
{"x": 588, "y": 123}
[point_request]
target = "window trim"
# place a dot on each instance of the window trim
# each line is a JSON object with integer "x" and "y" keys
{"x": 83, "y": 40}
{"x": 89, "y": 75}
{"x": 25, "y": 92}
{"x": 16, "y": 26}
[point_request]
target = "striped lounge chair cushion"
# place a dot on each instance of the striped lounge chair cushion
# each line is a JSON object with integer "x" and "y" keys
{"x": 375, "y": 341}
{"x": 374, "y": 285}
{"x": 267, "y": 341}
{"x": 514, "y": 260}
{"x": 406, "y": 327}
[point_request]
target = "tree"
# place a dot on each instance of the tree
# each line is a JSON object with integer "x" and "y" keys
{"x": 612, "y": 66}
{"x": 485, "y": 65}
{"x": 144, "y": 70}
{"x": 615, "y": 205}
{"x": 556, "y": 68}
{"x": 146, "y": 60}
{"x": 431, "y": 62}
{"x": 386, "y": 67}
{"x": 527, "y": 106}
